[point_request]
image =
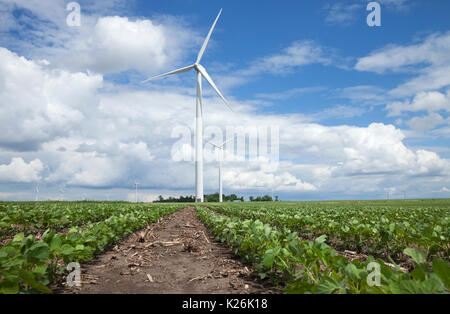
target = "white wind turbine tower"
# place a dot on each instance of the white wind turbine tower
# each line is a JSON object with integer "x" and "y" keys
{"x": 220, "y": 148}
{"x": 201, "y": 72}
{"x": 37, "y": 193}
{"x": 62, "y": 190}
{"x": 136, "y": 185}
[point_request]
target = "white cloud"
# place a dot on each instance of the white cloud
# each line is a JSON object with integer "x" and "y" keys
{"x": 429, "y": 60}
{"x": 102, "y": 44}
{"x": 251, "y": 179}
{"x": 434, "y": 77}
{"x": 396, "y": 4}
{"x": 424, "y": 101}
{"x": 346, "y": 13}
{"x": 362, "y": 94}
{"x": 121, "y": 135}
{"x": 42, "y": 103}
{"x": 338, "y": 112}
{"x": 433, "y": 50}
{"x": 443, "y": 131}
{"x": 20, "y": 171}
{"x": 391, "y": 189}
{"x": 96, "y": 162}
{"x": 291, "y": 93}
{"x": 6, "y": 195}
{"x": 426, "y": 122}
{"x": 90, "y": 133}
{"x": 118, "y": 44}
{"x": 342, "y": 14}
{"x": 299, "y": 53}
{"x": 53, "y": 11}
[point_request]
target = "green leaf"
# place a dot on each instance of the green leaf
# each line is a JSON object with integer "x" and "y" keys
{"x": 40, "y": 270}
{"x": 299, "y": 287}
{"x": 56, "y": 243}
{"x": 39, "y": 251}
{"x": 48, "y": 234}
{"x": 406, "y": 287}
{"x": 66, "y": 249}
{"x": 417, "y": 255}
{"x": 28, "y": 278}
{"x": 329, "y": 285}
{"x": 442, "y": 270}
{"x": 433, "y": 285}
{"x": 321, "y": 239}
{"x": 19, "y": 237}
{"x": 268, "y": 260}
{"x": 418, "y": 274}
{"x": 9, "y": 285}
{"x": 267, "y": 230}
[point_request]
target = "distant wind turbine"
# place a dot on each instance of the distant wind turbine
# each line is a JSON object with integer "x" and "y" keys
{"x": 201, "y": 72}
{"x": 136, "y": 185}
{"x": 62, "y": 190}
{"x": 220, "y": 148}
{"x": 37, "y": 193}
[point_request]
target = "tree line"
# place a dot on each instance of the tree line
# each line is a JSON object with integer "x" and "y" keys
{"x": 214, "y": 198}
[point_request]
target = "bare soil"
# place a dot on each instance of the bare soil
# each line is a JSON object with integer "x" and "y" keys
{"x": 177, "y": 254}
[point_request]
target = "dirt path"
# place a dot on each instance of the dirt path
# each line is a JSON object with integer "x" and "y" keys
{"x": 176, "y": 255}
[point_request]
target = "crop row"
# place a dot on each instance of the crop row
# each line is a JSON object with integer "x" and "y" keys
{"x": 28, "y": 265}
{"x": 314, "y": 267}
{"x": 39, "y": 216}
{"x": 381, "y": 231}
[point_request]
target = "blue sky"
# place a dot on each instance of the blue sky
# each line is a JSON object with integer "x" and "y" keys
{"x": 362, "y": 110}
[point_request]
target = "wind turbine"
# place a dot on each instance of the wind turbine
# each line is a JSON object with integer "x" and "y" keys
{"x": 62, "y": 190}
{"x": 37, "y": 193}
{"x": 201, "y": 72}
{"x": 136, "y": 185}
{"x": 220, "y": 148}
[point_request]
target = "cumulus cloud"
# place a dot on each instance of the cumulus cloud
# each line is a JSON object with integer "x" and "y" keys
{"x": 244, "y": 180}
{"x": 20, "y": 171}
{"x": 102, "y": 44}
{"x": 42, "y": 24}
{"x": 42, "y": 103}
{"x": 117, "y": 44}
{"x": 118, "y": 136}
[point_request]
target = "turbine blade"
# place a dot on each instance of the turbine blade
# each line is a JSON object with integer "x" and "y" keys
{"x": 211, "y": 143}
{"x": 182, "y": 70}
{"x": 205, "y": 74}
{"x": 231, "y": 139}
{"x": 205, "y": 43}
